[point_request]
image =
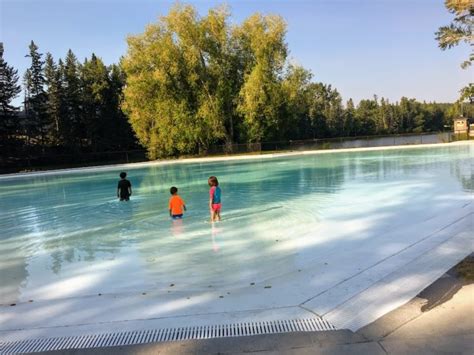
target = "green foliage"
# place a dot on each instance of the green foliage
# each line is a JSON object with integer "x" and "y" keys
{"x": 95, "y": 86}
{"x": 190, "y": 82}
{"x": 193, "y": 81}
{"x": 459, "y": 31}
{"x": 36, "y": 98}
{"x": 467, "y": 94}
{"x": 9, "y": 90}
{"x": 69, "y": 106}
{"x": 73, "y": 128}
{"x": 261, "y": 99}
{"x": 53, "y": 81}
{"x": 180, "y": 88}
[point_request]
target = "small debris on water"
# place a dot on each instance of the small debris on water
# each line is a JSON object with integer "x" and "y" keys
{"x": 228, "y": 293}
{"x": 100, "y": 294}
{"x": 171, "y": 285}
{"x": 30, "y": 301}
{"x": 187, "y": 298}
{"x": 209, "y": 286}
{"x": 252, "y": 283}
{"x": 13, "y": 304}
{"x": 268, "y": 286}
{"x": 221, "y": 296}
{"x": 276, "y": 240}
{"x": 325, "y": 263}
{"x": 299, "y": 270}
{"x": 144, "y": 293}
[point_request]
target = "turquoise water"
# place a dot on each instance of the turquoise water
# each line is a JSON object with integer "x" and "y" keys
{"x": 66, "y": 235}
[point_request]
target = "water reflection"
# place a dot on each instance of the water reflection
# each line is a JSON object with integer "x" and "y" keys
{"x": 215, "y": 230}
{"x": 177, "y": 227}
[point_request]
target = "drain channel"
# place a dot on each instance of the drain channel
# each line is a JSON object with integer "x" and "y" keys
{"x": 166, "y": 334}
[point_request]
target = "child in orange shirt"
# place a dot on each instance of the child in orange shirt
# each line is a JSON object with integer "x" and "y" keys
{"x": 176, "y": 204}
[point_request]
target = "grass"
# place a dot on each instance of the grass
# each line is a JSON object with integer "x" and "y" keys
{"x": 466, "y": 268}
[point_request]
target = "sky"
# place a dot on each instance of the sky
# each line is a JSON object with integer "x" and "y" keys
{"x": 360, "y": 47}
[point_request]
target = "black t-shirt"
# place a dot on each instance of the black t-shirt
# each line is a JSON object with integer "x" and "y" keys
{"x": 123, "y": 186}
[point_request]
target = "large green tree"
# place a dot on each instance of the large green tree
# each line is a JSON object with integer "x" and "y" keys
{"x": 296, "y": 92}
{"x": 261, "y": 98}
{"x": 73, "y": 127}
{"x": 461, "y": 30}
{"x": 36, "y": 98}
{"x": 175, "y": 94}
{"x": 118, "y": 134}
{"x": 9, "y": 90}
{"x": 53, "y": 81}
{"x": 196, "y": 81}
{"x": 95, "y": 87}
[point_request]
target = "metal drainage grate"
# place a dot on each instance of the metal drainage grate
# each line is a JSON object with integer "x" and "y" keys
{"x": 166, "y": 334}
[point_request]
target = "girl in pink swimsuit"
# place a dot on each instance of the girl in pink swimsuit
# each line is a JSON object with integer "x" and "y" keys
{"x": 214, "y": 199}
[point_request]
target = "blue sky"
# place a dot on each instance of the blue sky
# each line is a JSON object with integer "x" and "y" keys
{"x": 361, "y": 47}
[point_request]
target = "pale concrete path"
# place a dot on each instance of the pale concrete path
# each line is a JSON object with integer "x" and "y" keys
{"x": 440, "y": 320}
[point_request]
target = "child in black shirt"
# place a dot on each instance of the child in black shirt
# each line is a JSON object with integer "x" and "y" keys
{"x": 124, "y": 188}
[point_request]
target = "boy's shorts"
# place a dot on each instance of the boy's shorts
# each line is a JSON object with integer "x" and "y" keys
{"x": 176, "y": 216}
{"x": 216, "y": 207}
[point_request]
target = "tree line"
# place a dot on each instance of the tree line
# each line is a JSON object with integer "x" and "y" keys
{"x": 187, "y": 83}
{"x": 194, "y": 81}
{"x": 68, "y": 106}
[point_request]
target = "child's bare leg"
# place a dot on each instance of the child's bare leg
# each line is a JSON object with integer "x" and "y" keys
{"x": 218, "y": 215}
{"x": 213, "y": 215}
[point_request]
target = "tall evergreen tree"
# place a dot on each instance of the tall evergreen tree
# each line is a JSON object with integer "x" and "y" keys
{"x": 119, "y": 133}
{"x": 349, "y": 119}
{"x": 37, "y": 98}
{"x": 9, "y": 90}
{"x": 73, "y": 127}
{"x": 95, "y": 87}
{"x": 53, "y": 81}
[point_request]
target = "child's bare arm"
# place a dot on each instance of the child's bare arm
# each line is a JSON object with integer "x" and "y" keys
{"x": 184, "y": 207}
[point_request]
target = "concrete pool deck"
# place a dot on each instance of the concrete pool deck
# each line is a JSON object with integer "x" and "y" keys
{"x": 438, "y": 320}
{"x": 405, "y": 259}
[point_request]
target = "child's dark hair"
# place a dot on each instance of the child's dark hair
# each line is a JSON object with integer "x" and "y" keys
{"x": 173, "y": 190}
{"x": 213, "y": 181}
{"x": 123, "y": 174}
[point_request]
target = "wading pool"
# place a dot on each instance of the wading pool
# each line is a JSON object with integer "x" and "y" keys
{"x": 310, "y": 230}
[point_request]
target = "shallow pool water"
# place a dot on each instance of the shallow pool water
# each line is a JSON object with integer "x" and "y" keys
{"x": 66, "y": 235}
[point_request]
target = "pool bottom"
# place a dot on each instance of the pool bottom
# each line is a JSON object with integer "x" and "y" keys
{"x": 347, "y": 304}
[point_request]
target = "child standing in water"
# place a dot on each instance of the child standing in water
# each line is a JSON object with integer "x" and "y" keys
{"x": 124, "y": 188}
{"x": 214, "y": 199}
{"x": 176, "y": 205}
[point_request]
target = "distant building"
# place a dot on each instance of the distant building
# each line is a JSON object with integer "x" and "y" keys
{"x": 463, "y": 126}
{"x": 460, "y": 125}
